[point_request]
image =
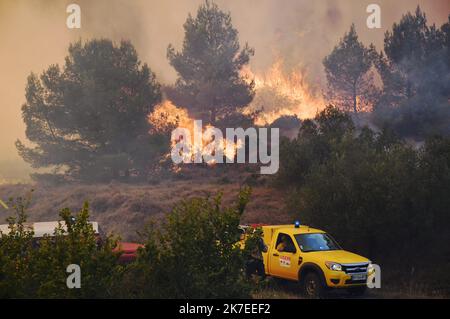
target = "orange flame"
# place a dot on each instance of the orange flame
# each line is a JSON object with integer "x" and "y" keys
{"x": 278, "y": 94}
{"x": 166, "y": 115}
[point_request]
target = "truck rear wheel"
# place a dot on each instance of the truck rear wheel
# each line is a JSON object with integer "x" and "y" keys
{"x": 312, "y": 286}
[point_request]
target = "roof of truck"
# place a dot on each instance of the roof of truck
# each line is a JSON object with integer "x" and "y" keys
{"x": 290, "y": 229}
{"x": 44, "y": 228}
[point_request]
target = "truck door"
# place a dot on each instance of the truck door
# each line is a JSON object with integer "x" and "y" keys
{"x": 284, "y": 258}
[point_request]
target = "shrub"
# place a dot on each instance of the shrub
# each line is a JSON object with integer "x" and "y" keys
{"x": 193, "y": 254}
{"x": 375, "y": 193}
{"x": 31, "y": 268}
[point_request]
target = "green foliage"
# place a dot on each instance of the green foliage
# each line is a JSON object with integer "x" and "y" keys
{"x": 349, "y": 76}
{"x": 252, "y": 242}
{"x": 15, "y": 254}
{"x": 312, "y": 146}
{"x": 31, "y": 268}
{"x": 90, "y": 117}
{"x": 209, "y": 65}
{"x": 376, "y": 194}
{"x": 194, "y": 254}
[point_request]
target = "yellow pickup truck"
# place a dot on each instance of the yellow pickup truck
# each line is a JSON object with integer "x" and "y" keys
{"x": 312, "y": 258}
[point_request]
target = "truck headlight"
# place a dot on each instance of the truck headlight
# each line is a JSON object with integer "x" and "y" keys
{"x": 333, "y": 266}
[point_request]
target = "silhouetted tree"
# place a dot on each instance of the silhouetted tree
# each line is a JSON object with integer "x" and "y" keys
{"x": 415, "y": 71}
{"x": 349, "y": 76}
{"x": 209, "y": 65}
{"x": 90, "y": 117}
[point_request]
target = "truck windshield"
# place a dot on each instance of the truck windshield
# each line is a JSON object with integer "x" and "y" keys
{"x": 316, "y": 242}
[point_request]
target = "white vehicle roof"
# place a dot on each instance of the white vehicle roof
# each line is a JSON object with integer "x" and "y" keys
{"x": 44, "y": 228}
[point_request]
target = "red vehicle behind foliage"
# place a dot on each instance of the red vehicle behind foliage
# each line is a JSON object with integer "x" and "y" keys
{"x": 128, "y": 250}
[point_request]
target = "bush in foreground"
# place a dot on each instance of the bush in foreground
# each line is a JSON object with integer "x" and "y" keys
{"x": 31, "y": 268}
{"x": 194, "y": 254}
{"x": 191, "y": 254}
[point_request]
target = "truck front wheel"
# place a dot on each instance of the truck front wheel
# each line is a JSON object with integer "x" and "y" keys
{"x": 312, "y": 286}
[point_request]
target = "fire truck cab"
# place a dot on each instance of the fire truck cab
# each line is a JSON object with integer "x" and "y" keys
{"x": 314, "y": 259}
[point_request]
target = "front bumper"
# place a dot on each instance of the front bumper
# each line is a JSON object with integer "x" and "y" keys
{"x": 344, "y": 281}
{"x": 350, "y": 276}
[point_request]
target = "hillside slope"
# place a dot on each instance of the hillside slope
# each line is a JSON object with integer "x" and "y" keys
{"x": 124, "y": 208}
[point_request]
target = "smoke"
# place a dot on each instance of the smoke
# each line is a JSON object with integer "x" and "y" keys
{"x": 34, "y": 35}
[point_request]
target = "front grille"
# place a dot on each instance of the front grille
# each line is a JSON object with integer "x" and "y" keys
{"x": 349, "y": 281}
{"x": 355, "y": 268}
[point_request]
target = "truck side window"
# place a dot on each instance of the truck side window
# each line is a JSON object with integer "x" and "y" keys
{"x": 285, "y": 243}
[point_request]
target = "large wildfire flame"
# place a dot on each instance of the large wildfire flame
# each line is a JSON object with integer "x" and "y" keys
{"x": 279, "y": 94}
{"x": 166, "y": 115}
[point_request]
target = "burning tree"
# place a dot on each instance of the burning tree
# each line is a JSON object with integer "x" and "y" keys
{"x": 280, "y": 94}
{"x": 90, "y": 118}
{"x": 209, "y": 65}
{"x": 348, "y": 70}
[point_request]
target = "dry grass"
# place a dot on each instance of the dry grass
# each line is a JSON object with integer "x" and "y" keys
{"x": 271, "y": 293}
{"x": 124, "y": 208}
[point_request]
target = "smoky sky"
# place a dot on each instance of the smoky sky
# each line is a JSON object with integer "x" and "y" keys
{"x": 33, "y": 35}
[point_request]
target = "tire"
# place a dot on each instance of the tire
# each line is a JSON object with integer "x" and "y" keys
{"x": 357, "y": 291}
{"x": 313, "y": 287}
